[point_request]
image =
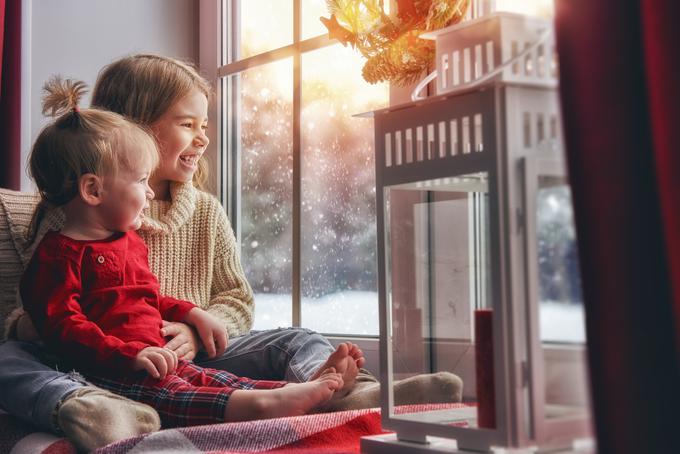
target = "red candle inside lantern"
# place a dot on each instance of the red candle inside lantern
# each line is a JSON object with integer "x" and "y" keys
{"x": 486, "y": 398}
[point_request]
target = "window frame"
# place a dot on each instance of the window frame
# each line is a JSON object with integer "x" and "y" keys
{"x": 218, "y": 48}
{"x": 219, "y": 60}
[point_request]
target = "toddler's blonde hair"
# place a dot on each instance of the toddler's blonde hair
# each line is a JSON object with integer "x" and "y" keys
{"x": 80, "y": 142}
{"x": 143, "y": 87}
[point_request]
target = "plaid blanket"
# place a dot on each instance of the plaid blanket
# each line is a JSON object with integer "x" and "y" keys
{"x": 325, "y": 433}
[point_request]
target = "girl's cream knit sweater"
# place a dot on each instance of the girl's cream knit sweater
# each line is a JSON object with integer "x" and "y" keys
{"x": 192, "y": 251}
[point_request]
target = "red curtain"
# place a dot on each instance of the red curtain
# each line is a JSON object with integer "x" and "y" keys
{"x": 2, "y": 30}
{"x": 619, "y": 70}
{"x": 661, "y": 37}
{"x": 10, "y": 94}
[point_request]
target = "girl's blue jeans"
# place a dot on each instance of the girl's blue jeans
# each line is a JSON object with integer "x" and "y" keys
{"x": 31, "y": 390}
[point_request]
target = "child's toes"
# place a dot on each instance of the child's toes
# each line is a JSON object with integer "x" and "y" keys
{"x": 341, "y": 351}
{"x": 355, "y": 352}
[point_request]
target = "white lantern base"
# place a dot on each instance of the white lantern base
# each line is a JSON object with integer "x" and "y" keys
{"x": 389, "y": 444}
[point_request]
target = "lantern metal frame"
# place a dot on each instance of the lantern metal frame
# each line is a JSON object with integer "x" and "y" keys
{"x": 496, "y": 146}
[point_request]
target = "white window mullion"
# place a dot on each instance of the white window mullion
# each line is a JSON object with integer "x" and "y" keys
{"x": 297, "y": 166}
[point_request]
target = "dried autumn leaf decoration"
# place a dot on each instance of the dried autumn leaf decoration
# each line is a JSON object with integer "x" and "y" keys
{"x": 390, "y": 43}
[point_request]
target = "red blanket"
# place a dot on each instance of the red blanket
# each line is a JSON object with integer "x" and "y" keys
{"x": 326, "y": 433}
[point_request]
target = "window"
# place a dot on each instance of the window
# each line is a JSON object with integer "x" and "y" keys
{"x": 298, "y": 167}
{"x": 561, "y": 309}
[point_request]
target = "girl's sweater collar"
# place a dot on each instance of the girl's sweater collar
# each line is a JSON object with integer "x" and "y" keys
{"x": 168, "y": 216}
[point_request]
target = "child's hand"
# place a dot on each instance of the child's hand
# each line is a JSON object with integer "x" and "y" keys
{"x": 184, "y": 342}
{"x": 211, "y": 331}
{"x": 157, "y": 361}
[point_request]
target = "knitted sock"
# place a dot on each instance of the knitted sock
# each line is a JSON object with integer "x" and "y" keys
{"x": 92, "y": 417}
{"x": 364, "y": 376}
{"x": 441, "y": 387}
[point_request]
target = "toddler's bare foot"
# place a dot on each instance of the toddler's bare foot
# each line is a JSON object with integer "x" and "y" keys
{"x": 294, "y": 399}
{"x": 346, "y": 359}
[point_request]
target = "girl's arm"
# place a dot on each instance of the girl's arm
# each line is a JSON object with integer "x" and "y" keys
{"x": 231, "y": 299}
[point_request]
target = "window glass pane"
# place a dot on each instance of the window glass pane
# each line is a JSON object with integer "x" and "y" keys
{"x": 438, "y": 287}
{"x": 559, "y": 279}
{"x": 312, "y": 10}
{"x": 561, "y": 312}
{"x": 265, "y": 25}
{"x": 266, "y": 189}
{"x": 338, "y": 246}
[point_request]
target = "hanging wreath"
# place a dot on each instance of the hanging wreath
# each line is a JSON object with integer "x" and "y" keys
{"x": 391, "y": 44}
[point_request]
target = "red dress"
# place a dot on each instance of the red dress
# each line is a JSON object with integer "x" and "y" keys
{"x": 97, "y": 304}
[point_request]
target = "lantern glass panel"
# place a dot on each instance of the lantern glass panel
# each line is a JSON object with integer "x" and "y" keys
{"x": 561, "y": 312}
{"x": 437, "y": 279}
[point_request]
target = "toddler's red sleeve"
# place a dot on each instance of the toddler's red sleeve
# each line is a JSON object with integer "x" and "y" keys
{"x": 173, "y": 309}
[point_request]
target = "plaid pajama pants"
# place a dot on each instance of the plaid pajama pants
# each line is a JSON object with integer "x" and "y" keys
{"x": 192, "y": 396}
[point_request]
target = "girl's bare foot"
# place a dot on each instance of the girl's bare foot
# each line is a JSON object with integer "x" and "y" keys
{"x": 294, "y": 399}
{"x": 356, "y": 354}
{"x": 346, "y": 359}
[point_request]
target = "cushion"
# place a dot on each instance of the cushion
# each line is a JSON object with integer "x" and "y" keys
{"x": 16, "y": 212}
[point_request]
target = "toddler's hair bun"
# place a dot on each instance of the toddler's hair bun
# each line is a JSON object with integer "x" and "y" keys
{"x": 61, "y": 96}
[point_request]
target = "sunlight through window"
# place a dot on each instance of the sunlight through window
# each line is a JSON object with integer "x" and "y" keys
{"x": 337, "y": 204}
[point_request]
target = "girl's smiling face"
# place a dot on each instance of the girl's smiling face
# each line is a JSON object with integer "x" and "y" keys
{"x": 182, "y": 140}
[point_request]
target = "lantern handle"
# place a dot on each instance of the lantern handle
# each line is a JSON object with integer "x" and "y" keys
{"x": 543, "y": 37}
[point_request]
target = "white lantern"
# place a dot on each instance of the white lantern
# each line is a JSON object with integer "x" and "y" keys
{"x": 474, "y": 224}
